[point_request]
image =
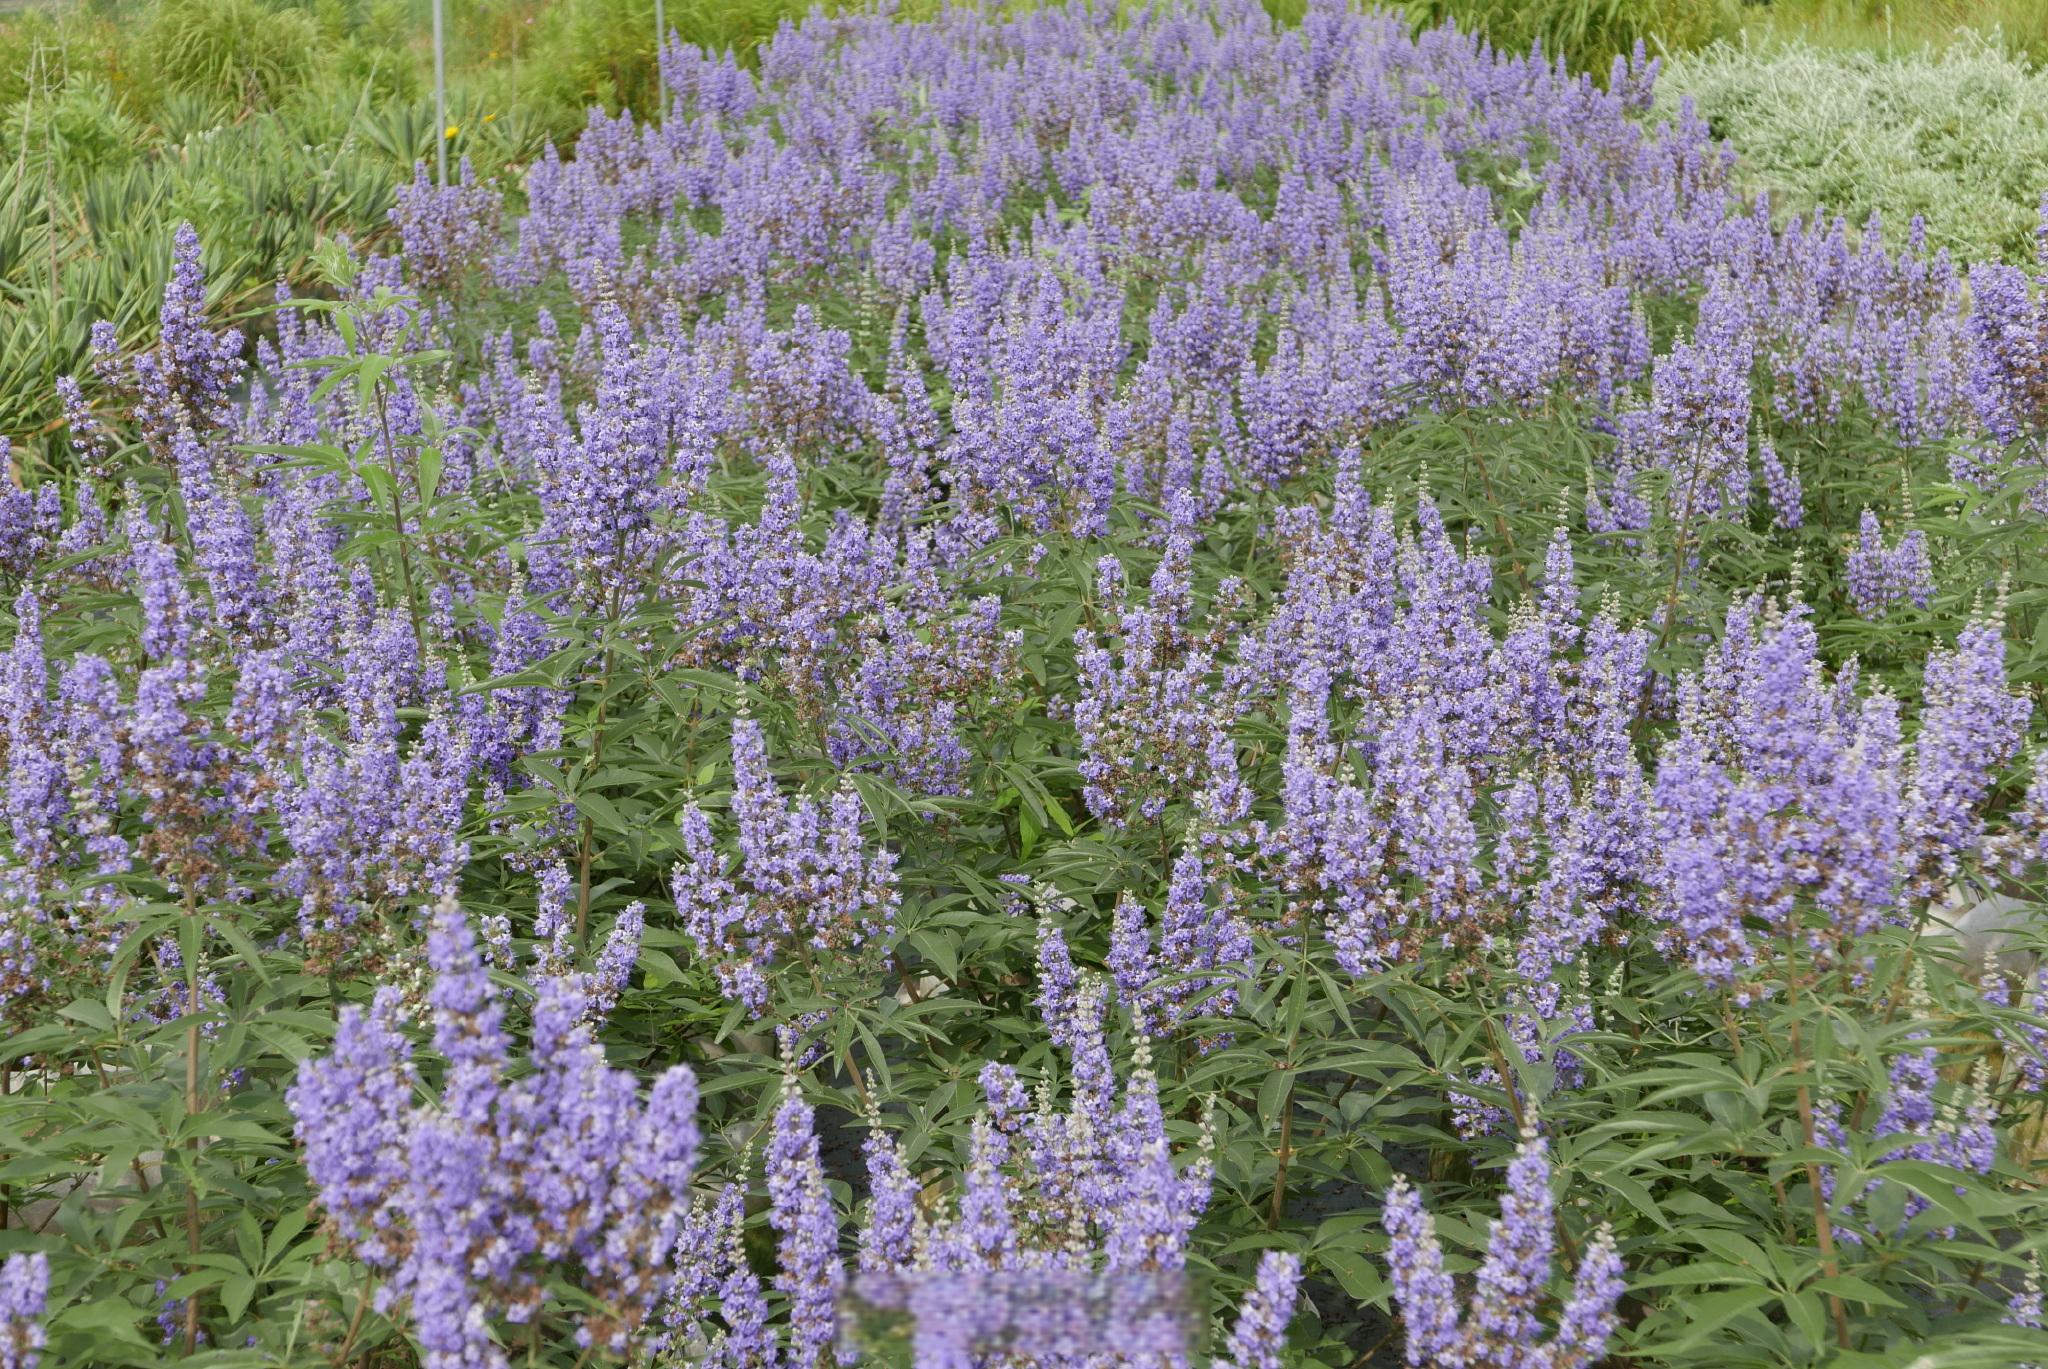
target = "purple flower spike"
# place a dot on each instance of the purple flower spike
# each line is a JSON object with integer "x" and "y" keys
{"x": 24, "y": 1292}
{"x": 1503, "y": 1327}
{"x": 467, "y": 1205}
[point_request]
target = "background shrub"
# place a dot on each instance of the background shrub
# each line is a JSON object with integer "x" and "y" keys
{"x": 238, "y": 51}
{"x": 1959, "y": 136}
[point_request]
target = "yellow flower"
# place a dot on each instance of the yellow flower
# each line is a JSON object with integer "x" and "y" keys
{"x": 489, "y": 117}
{"x": 453, "y": 129}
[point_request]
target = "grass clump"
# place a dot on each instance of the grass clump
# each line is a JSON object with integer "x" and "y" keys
{"x": 1587, "y": 32}
{"x": 235, "y": 51}
{"x": 1895, "y": 27}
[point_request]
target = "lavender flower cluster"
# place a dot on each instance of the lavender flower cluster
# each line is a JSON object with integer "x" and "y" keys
{"x": 808, "y": 886}
{"x": 1880, "y": 576}
{"x": 474, "y": 1204}
{"x": 1501, "y": 1329}
{"x": 24, "y": 1294}
{"x": 1061, "y": 1241}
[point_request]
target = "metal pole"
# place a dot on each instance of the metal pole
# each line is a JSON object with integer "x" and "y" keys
{"x": 660, "y": 76}
{"x": 440, "y": 97}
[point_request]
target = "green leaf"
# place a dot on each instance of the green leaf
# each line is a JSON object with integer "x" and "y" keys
{"x": 110, "y": 1317}
{"x": 939, "y": 948}
{"x": 235, "y": 1294}
{"x": 1698, "y": 1272}
{"x": 604, "y": 815}
{"x": 429, "y": 474}
{"x": 1809, "y": 1312}
{"x": 1855, "y": 1290}
{"x": 231, "y": 933}
{"x": 1356, "y": 1275}
{"x": 1273, "y": 1095}
{"x": 1708, "y": 1314}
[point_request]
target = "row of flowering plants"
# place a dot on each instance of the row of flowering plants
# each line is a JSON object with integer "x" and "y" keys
{"x": 1080, "y": 689}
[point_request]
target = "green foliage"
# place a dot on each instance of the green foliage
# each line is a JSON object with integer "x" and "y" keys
{"x": 1587, "y": 32}
{"x": 86, "y": 221}
{"x": 1959, "y": 136}
{"x": 385, "y": 72}
{"x": 1893, "y": 27}
{"x": 40, "y": 49}
{"x": 237, "y": 51}
{"x": 584, "y": 52}
{"x": 82, "y": 131}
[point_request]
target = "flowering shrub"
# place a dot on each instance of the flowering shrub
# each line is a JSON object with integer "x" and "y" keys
{"x": 982, "y": 697}
{"x": 1520, "y": 1244}
{"x": 807, "y": 885}
{"x": 471, "y": 1207}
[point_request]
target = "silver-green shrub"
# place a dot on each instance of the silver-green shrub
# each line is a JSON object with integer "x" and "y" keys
{"x": 1959, "y": 136}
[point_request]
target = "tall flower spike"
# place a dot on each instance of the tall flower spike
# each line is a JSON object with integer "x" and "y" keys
{"x": 2025, "y": 1309}
{"x": 1970, "y": 726}
{"x": 807, "y": 1232}
{"x": 1130, "y": 962}
{"x": 1503, "y": 1328}
{"x": 1058, "y": 983}
{"x": 1589, "y": 1317}
{"x": 352, "y": 1106}
{"x": 24, "y": 1294}
{"x": 1422, "y": 1289}
{"x": 1260, "y": 1336}
{"x": 615, "y": 962}
{"x": 1881, "y": 577}
{"x": 806, "y": 883}
{"x": 34, "y": 796}
{"x": 886, "y": 1240}
{"x": 187, "y": 379}
{"x": 159, "y": 585}
{"x": 1519, "y": 1244}
{"x": 1782, "y": 484}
